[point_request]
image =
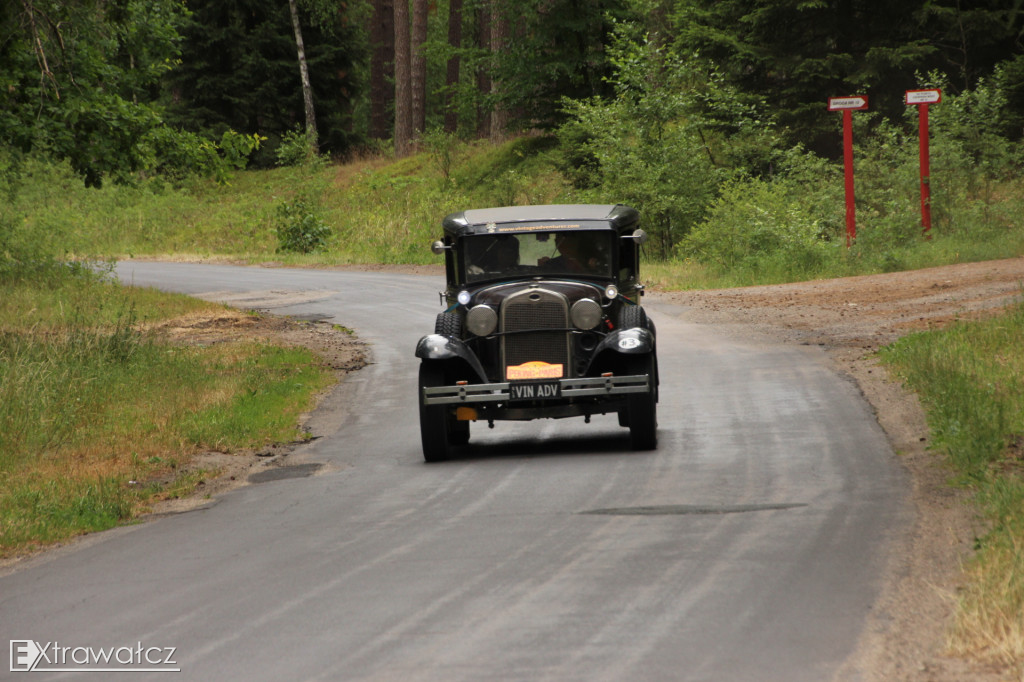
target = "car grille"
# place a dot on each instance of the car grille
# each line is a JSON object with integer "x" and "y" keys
{"x": 531, "y": 312}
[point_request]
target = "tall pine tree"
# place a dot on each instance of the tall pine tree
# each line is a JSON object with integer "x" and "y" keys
{"x": 794, "y": 54}
{"x": 238, "y": 70}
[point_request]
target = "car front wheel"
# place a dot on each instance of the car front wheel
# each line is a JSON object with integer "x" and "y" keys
{"x": 643, "y": 407}
{"x": 433, "y": 418}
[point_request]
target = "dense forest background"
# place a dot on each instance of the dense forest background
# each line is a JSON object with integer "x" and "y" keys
{"x": 708, "y": 115}
{"x": 123, "y": 86}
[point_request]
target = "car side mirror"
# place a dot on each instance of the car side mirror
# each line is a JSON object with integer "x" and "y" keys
{"x": 639, "y": 236}
{"x": 439, "y": 247}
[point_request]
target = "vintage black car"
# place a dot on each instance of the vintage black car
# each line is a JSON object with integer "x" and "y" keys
{"x": 542, "y": 320}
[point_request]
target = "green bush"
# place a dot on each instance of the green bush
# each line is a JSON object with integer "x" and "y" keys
{"x": 646, "y": 147}
{"x": 887, "y": 188}
{"x": 445, "y": 149}
{"x": 294, "y": 149}
{"x": 178, "y": 155}
{"x": 299, "y": 229}
{"x": 790, "y": 223}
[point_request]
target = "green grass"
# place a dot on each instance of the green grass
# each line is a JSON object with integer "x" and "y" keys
{"x": 838, "y": 261}
{"x": 970, "y": 378}
{"x": 93, "y": 409}
{"x": 386, "y": 211}
{"x": 378, "y": 212}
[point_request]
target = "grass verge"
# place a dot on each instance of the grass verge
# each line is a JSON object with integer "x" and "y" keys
{"x": 98, "y": 419}
{"x": 970, "y": 378}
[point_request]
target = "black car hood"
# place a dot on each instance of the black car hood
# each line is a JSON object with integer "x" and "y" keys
{"x": 573, "y": 291}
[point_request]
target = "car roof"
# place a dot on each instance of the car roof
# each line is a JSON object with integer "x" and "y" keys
{"x": 554, "y": 216}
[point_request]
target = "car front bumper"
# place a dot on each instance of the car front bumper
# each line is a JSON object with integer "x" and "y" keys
{"x": 584, "y": 387}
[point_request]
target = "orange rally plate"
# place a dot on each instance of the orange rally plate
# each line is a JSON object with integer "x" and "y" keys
{"x": 533, "y": 370}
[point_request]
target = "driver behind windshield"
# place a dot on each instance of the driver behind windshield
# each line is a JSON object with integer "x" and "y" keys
{"x": 577, "y": 254}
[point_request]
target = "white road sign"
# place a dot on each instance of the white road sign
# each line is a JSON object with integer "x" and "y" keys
{"x": 854, "y": 102}
{"x": 924, "y": 96}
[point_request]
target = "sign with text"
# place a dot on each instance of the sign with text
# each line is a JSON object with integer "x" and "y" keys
{"x": 921, "y": 99}
{"x": 848, "y": 105}
{"x": 933, "y": 96}
{"x": 534, "y": 390}
{"x": 533, "y": 370}
{"x": 853, "y": 103}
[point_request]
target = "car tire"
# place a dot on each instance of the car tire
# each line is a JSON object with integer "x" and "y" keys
{"x": 632, "y": 315}
{"x": 434, "y": 419}
{"x": 448, "y": 324}
{"x": 642, "y": 410}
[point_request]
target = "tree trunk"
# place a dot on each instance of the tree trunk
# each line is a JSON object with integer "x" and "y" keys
{"x": 403, "y": 93}
{"x": 483, "y": 74}
{"x": 499, "y": 38}
{"x": 451, "y": 109}
{"x": 307, "y": 90}
{"x": 419, "y": 67}
{"x": 382, "y": 68}
{"x": 37, "y": 45}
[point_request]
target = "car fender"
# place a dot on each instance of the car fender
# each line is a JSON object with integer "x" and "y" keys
{"x": 633, "y": 341}
{"x": 437, "y": 347}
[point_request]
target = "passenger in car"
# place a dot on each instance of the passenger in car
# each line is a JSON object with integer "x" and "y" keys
{"x": 575, "y": 255}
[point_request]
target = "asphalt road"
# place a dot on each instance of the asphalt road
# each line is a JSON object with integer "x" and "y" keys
{"x": 748, "y": 546}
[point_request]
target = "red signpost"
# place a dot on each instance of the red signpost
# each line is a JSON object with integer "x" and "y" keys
{"x": 922, "y": 98}
{"x": 848, "y": 105}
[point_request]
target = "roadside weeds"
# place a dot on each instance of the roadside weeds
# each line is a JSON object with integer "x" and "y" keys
{"x": 175, "y": 413}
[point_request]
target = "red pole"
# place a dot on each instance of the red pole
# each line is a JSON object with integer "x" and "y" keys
{"x": 926, "y": 200}
{"x": 848, "y": 105}
{"x": 851, "y": 223}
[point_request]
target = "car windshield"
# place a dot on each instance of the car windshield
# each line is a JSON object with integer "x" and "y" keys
{"x": 577, "y": 253}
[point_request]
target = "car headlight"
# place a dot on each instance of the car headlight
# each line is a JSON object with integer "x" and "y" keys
{"x": 585, "y": 313}
{"x": 481, "y": 320}
{"x": 463, "y": 297}
{"x": 611, "y": 292}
